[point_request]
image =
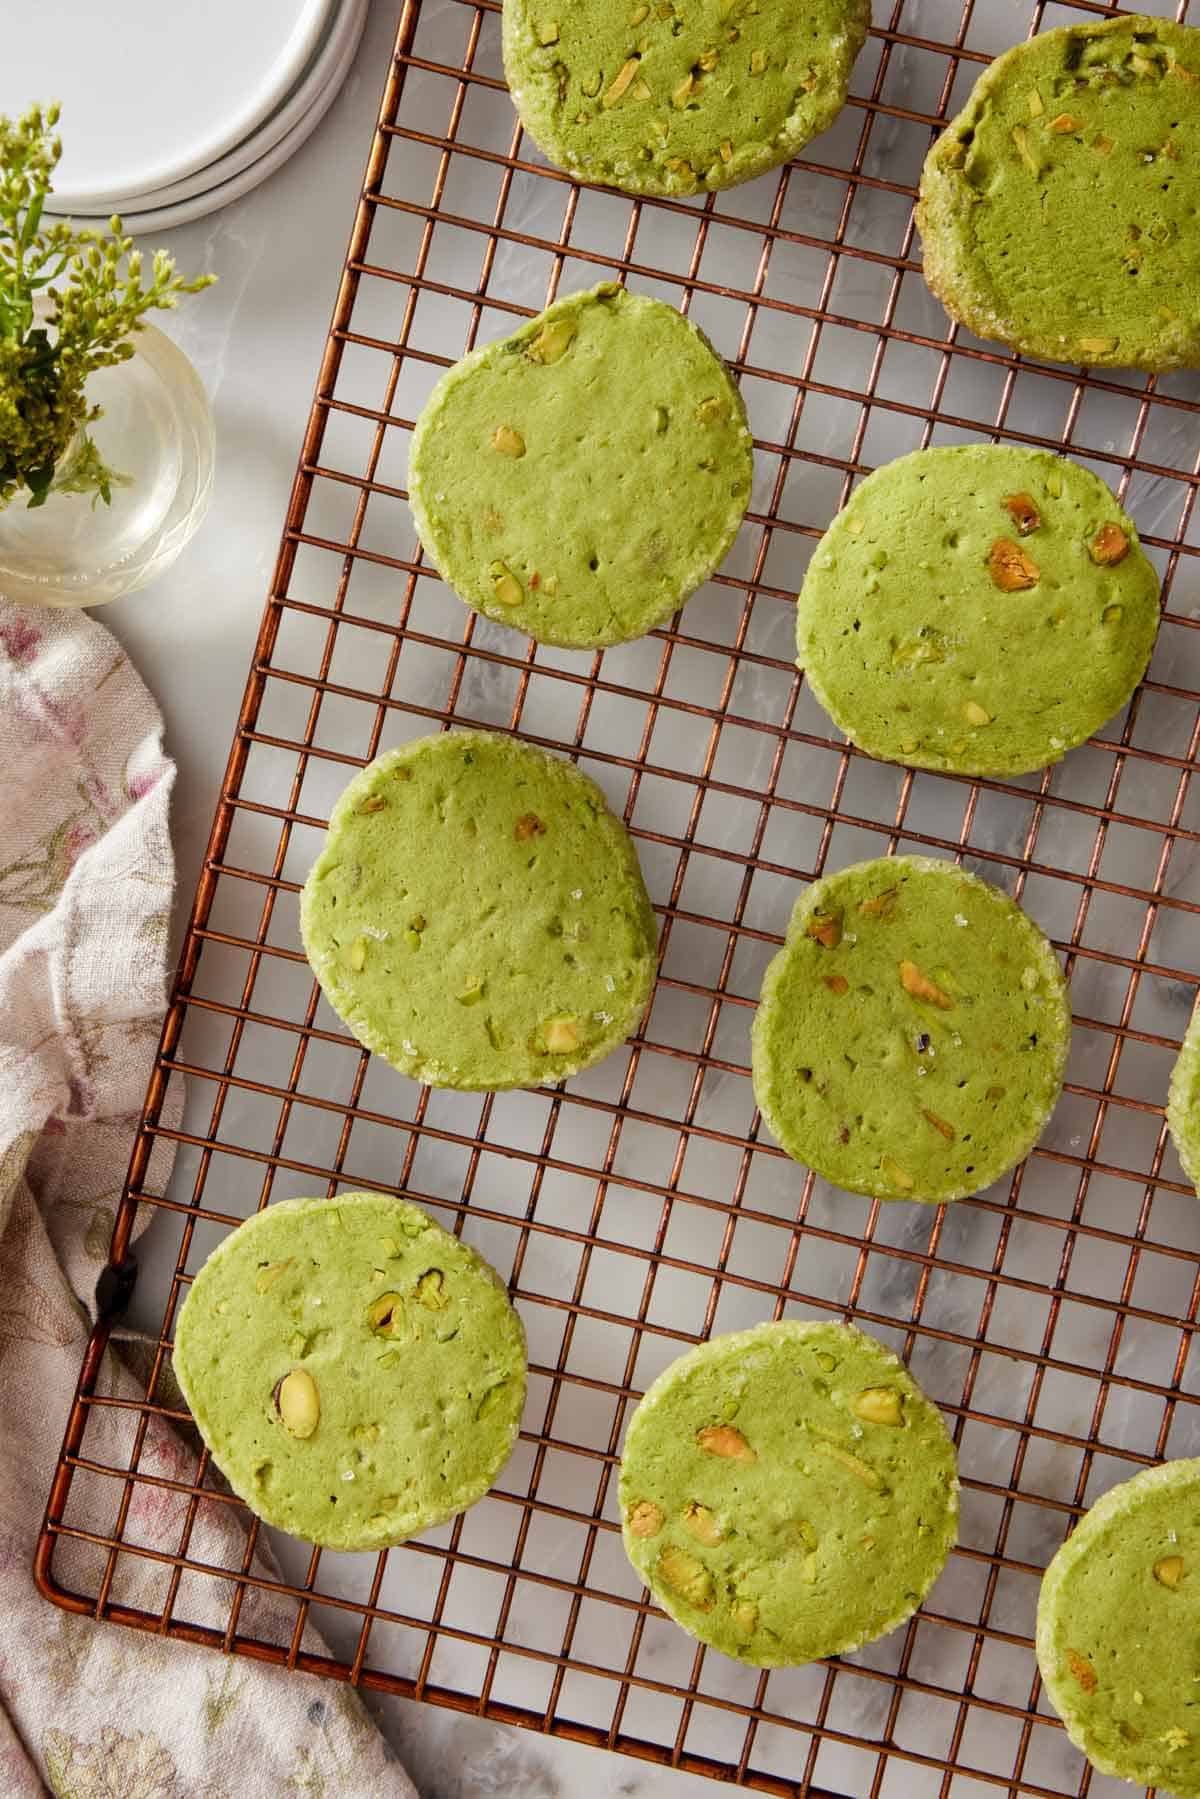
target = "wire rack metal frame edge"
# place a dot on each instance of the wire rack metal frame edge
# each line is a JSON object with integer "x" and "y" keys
{"x": 120, "y": 1264}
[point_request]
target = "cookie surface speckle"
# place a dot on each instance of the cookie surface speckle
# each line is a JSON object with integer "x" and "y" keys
{"x": 357, "y": 1372}
{"x": 668, "y": 98}
{"x": 1116, "y": 1622}
{"x": 982, "y": 609}
{"x": 788, "y": 1492}
{"x": 478, "y": 916}
{"x": 912, "y": 1034}
{"x": 580, "y": 479}
{"x": 1058, "y": 210}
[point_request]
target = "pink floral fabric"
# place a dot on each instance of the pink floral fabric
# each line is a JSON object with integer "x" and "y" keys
{"x": 92, "y": 1711}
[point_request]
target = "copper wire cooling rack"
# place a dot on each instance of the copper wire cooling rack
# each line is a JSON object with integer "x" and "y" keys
{"x": 639, "y": 1209}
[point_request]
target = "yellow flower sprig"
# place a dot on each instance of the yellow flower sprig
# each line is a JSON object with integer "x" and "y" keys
{"x": 70, "y": 303}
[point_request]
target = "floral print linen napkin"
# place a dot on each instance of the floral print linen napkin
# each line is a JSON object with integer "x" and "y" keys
{"x": 92, "y": 1711}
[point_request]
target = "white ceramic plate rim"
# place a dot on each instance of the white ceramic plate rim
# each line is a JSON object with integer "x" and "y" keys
{"x": 319, "y": 71}
{"x": 165, "y": 218}
{"x": 297, "y": 54}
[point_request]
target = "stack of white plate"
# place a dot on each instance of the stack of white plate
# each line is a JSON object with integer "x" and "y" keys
{"x": 172, "y": 108}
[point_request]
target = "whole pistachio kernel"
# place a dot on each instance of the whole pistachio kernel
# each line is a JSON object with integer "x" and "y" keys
{"x": 723, "y": 1440}
{"x": 508, "y": 441}
{"x": 430, "y": 1290}
{"x": 374, "y": 802}
{"x": 298, "y": 1403}
{"x": 879, "y": 1405}
{"x": 1169, "y": 1571}
{"x": 527, "y": 826}
{"x": 975, "y": 714}
{"x": 1109, "y": 546}
{"x": 837, "y": 984}
{"x": 646, "y": 1519}
{"x": 1012, "y": 569}
{"x": 385, "y": 1315}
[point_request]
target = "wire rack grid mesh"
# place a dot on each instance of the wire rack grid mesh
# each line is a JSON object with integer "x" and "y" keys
{"x": 640, "y": 1209}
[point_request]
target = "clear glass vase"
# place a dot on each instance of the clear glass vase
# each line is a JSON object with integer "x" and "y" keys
{"x": 156, "y": 432}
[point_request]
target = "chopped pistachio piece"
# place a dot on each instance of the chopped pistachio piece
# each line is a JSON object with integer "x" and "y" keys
{"x": 825, "y": 928}
{"x": 687, "y": 1576}
{"x": 1109, "y": 546}
{"x": 623, "y": 78}
{"x": 723, "y": 1440}
{"x": 879, "y": 1405}
{"x": 553, "y": 340}
{"x": 700, "y": 1523}
{"x": 646, "y": 1519}
{"x": 430, "y": 1290}
{"x": 1012, "y": 569}
{"x": 562, "y": 1036}
{"x": 920, "y": 987}
{"x": 385, "y": 1315}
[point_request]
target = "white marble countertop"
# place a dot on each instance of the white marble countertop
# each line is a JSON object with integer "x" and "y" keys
{"x": 257, "y": 340}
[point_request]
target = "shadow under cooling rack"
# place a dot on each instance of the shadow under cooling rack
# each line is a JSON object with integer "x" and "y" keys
{"x": 638, "y": 1210}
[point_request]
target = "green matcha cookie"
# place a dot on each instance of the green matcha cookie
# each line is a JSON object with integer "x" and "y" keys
{"x": 982, "y": 609}
{"x": 1117, "y": 1631}
{"x": 357, "y": 1373}
{"x": 580, "y": 479}
{"x": 912, "y": 1033}
{"x": 671, "y": 97}
{"x": 477, "y": 915}
{"x": 1058, "y": 211}
{"x": 1183, "y": 1101}
{"x": 788, "y": 1492}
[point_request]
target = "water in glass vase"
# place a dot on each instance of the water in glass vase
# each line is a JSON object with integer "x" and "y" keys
{"x": 156, "y": 433}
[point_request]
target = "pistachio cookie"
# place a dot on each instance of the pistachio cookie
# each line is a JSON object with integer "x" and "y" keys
{"x": 982, "y": 609}
{"x": 912, "y": 1034}
{"x": 668, "y": 98}
{"x": 1117, "y": 1630}
{"x": 1058, "y": 210}
{"x": 788, "y": 1492}
{"x": 478, "y": 916}
{"x": 580, "y": 479}
{"x": 1183, "y": 1101}
{"x": 357, "y": 1373}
